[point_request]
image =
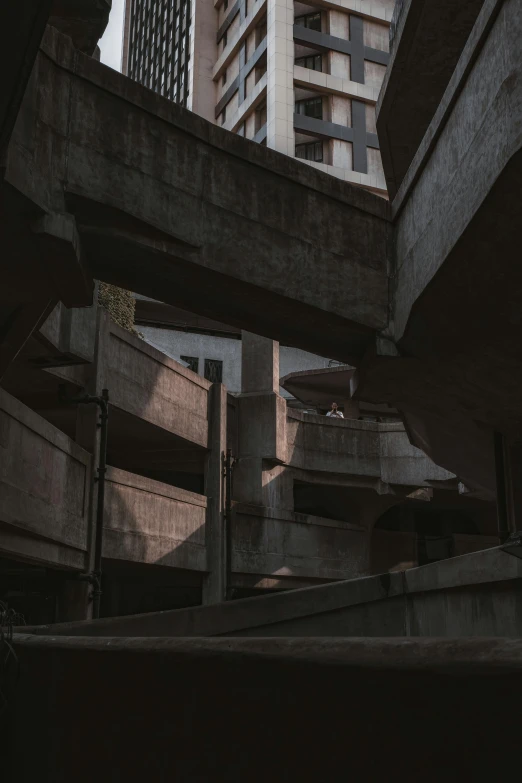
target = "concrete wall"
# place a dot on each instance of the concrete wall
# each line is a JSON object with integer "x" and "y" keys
{"x": 44, "y": 489}
{"x": 145, "y": 382}
{"x": 474, "y": 595}
{"x": 69, "y": 335}
{"x": 228, "y": 350}
{"x": 361, "y": 448}
{"x": 150, "y": 522}
{"x": 286, "y": 546}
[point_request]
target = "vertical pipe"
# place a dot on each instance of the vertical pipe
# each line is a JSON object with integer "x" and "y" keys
{"x": 500, "y": 474}
{"x": 228, "y": 522}
{"x": 102, "y": 469}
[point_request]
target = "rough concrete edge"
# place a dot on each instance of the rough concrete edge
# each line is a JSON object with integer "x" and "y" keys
{"x": 450, "y": 656}
{"x": 28, "y": 418}
{"x": 124, "y": 478}
{"x": 235, "y": 615}
{"x": 470, "y": 54}
{"x": 276, "y": 163}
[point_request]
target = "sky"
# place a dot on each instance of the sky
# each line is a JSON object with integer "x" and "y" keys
{"x": 110, "y": 44}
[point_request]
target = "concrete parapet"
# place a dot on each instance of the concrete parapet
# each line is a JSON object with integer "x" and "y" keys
{"x": 44, "y": 480}
{"x": 147, "y": 521}
{"x": 472, "y": 595}
{"x": 259, "y": 709}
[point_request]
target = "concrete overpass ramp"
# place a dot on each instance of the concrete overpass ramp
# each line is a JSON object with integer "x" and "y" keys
{"x": 164, "y": 203}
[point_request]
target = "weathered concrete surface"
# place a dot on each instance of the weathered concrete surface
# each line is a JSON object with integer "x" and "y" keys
{"x": 148, "y": 384}
{"x": 177, "y": 209}
{"x": 362, "y": 448}
{"x": 68, "y": 336}
{"x": 147, "y": 521}
{"x": 457, "y": 370}
{"x": 428, "y": 39}
{"x": 442, "y": 702}
{"x": 214, "y": 586}
{"x": 44, "y": 487}
{"x": 472, "y": 595}
{"x": 282, "y": 544}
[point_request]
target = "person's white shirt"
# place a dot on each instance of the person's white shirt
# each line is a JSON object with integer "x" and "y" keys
{"x": 335, "y": 414}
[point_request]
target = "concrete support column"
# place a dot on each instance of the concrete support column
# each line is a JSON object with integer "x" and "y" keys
{"x": 280, "y": 76}
{"x": 262, "y": 424}
{"x": 203, "y": 55}
{"x": 214, "y": 585}
{"x": 513, "y": 479}
{"x": 259, "y": 364}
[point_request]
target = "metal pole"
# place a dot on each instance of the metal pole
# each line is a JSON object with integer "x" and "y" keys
{"x": 103, "y": 403}
{"x": 94, "y": 577}
{"x": 228, "y": 523}
{"x": 500, "y": 473}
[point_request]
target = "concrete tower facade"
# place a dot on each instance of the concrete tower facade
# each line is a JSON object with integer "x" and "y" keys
{"x": 300, "y": 78}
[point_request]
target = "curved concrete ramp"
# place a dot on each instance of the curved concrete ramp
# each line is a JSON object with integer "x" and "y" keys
{"x": 238, "y": 710}
{"x": 177, "y": 209}
{"x": 471, "y": 595}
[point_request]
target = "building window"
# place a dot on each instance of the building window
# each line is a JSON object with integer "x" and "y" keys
{"x": 312, "y": 151}
{"x": 314, "y": 62}
{"x": 260, "y": 116}
{"x": 224, "y": 77}
{"x": 225, "y": 5}
{"x": 224, "y": 116}
{"x": 312, "y": 21}
{"x": 225, "y": 40}
{"x": 311, "y": 107}
{"x": 192, "y": 361}
{"x": 214, "y": 370}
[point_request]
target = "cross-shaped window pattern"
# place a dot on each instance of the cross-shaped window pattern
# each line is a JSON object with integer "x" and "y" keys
{"x": 312, "y": 37}
{"x": 214, "y": 370}
{"x": 159, "y": 46}
{"x": 192, "y": 361}
{"x": 239, "y": 7}
{"x": 257, "y": 60}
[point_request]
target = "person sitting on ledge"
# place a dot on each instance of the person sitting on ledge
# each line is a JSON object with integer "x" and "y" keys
{"x": 335, "y": 412}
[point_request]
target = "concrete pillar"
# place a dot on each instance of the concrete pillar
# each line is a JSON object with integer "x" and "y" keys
{"x": 259, "y": 364}
{"x": 280, "y": 76}
{"x": 513, "y": 479}
{"x": 262, "y": 425}
{"x": 214, "y": 585}
{"x": 203, "y": 56}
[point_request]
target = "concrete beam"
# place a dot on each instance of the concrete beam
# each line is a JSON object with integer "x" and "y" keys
{"x": 453, "y": 364}
{"x": 428, "y": 39}
{"x": 203, "y": 219}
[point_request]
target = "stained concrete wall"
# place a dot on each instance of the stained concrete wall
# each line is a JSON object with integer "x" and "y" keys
{"x": 361, "y": 448}
{"x": 473, "y": 595}
{"x": 44, "y": 489}
{"x": 69, "y": 334}
{"x": 281, "y": 545}
{"x": 145, "y": 382}
{"x": 150, "y": 522}
{"x": 467, "y": 146}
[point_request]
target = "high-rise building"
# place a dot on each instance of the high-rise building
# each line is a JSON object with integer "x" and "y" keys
{"x": 302, "y": 78}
